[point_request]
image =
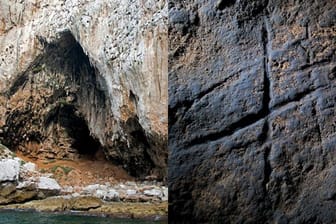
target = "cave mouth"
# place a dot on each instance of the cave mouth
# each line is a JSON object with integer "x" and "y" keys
{"x": 56, "y": 110}
{"x": 76, "y": 128}
{"x": 57, "y": 95}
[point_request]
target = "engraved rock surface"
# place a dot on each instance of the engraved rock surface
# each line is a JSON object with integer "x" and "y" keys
{"x": 252, "y": 111}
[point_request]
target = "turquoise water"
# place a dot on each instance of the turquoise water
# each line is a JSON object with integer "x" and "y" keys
{"x": 15, "y": 217}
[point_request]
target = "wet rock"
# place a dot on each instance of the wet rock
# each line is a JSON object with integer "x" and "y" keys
{"x": 85, "y": 203}
{"x": 96, "y": 207}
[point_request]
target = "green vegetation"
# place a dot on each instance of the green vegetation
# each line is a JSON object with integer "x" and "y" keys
{"x": 65, "y": 169}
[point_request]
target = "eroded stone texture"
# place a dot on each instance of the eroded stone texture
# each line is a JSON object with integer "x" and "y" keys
{"x": 72, "y": 71}
{"x": 252, "y": 111}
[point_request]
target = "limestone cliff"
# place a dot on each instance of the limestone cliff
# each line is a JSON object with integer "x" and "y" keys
{"x": 252, "y": 129}
{"x": 78, "y": 75}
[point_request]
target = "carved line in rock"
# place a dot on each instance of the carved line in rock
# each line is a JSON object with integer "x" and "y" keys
{"x": 264, "y": 113}
{"x": 187, "y": 104}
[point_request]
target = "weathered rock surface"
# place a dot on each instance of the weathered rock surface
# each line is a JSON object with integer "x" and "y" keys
{"x": 252, "y": 111}
{"x": 125, "y": 192}
{"x": 48, "y": 186}
{"x": 81, "y": 76}
{"x": 20, "y": 182}
{"x": 94, "y": 206}
{"x": 10, "y": 170}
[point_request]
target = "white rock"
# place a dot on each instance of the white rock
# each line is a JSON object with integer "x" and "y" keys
{"x": 92, "y": 189}
{"x": 24, "y": 184}
{"x": 68, "y": 189}
{"x": 165, "y": 194}
{"x": 112, "y": 195}
{"x": 100, "y": 193}
{"x": 9, "y": 170}
{"x": 46, "y": 183}
{"x": 31, "y": 167}
{"x": 153, "y": 192}
{"x": 18, "y": 159}
{"x": 75, "y": 195}
{"x": 131, "y": 192}
{"x": 109, "y": 195}
{"x": 130, "y": 183}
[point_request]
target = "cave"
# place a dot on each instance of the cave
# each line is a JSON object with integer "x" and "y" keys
{"x": 76, "y": 128}
{"x": 58, "y": 93}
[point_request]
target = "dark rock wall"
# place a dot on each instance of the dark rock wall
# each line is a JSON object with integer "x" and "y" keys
{"x": 252, "y": 125}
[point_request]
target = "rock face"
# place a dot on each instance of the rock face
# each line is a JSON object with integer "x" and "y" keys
{"x": 10, "y": 170}
{"x": 20, "y": 182}
{"x": 252, "y": 130}
{"x": 79, "y": 76}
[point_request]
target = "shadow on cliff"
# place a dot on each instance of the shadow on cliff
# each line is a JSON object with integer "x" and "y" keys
{"x": 65, "y": 103}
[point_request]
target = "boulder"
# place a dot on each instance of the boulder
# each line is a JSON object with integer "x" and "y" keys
{"x": 7, "y": 189}
{"x": 85, "y": 203}
{"x": 29, "y": 167}
{"x": 165, "y": 194}
{"x": 10, "y": 170}
{"x": 48, "y": 187}
{"x": 153, "y": 192}
{"x": 111, "y": 195}
{"x": 131, "y": 192}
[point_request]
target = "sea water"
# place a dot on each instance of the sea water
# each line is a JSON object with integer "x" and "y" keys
{"x": 16, "y": 217}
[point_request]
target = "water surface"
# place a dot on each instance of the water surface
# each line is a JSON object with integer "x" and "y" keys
{"x": 18, "y": 217}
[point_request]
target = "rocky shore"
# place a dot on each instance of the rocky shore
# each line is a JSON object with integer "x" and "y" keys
{"x": 23, "y": 186}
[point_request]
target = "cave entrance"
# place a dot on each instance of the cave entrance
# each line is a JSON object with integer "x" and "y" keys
{"x": 55, "y": 106}
{"x": 70, "y": 124}
{"x": 78, "y": 130}
{"x": 54, "y": 99}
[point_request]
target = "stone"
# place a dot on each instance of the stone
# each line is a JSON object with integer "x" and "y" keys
{"x": 91, "y": 189}
{"x": 48, "y": 186}
{"x": 111, "y": 195}
{"x": 10, "y": 170}
{"x": 153, "y": 192}
{"x": 28, "y": 184}
{"x": 29, "y": 166}
{"x": 7, "y": 189}
{"x": 85, "y": 203}
{"x": 252, "y": 112}
{"x": 102, "y": 79}
{"x": 164, "y": 196}
{"x": 23, "y": 195}
{"x": 131, "y": 192}
{"x": 141, "y": 211}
